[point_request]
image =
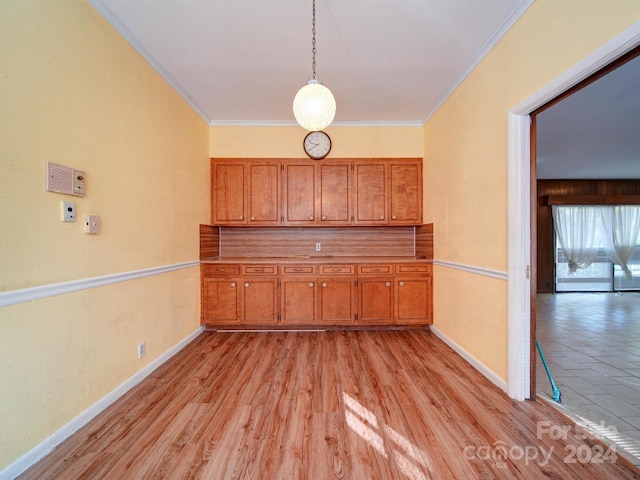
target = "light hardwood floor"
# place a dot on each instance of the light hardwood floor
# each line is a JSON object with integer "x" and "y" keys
{"x": 326, "y": 405}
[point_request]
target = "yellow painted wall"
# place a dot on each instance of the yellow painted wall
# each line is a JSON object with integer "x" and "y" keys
{"x": 466, "y": 161}
{"x": 72, "y": 91}
{"x": 286, "y": 142}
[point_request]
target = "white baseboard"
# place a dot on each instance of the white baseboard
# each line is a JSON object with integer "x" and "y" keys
{"x": 45, "y": 447}
{"x": 493, "y": 378}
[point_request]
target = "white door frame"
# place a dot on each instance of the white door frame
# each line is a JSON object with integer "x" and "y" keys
{"x": 519, "y": 214}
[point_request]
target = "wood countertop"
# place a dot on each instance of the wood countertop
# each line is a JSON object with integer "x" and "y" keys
{"x": 317, "y": 259}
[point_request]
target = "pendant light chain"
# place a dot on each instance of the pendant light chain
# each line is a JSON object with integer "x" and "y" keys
{"x": 313, "y": 41}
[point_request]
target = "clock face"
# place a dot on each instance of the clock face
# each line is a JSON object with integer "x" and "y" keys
{"x": 317, "y": 145}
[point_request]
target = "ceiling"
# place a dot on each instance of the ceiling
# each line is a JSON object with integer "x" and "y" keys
{"x": 594, "y": 133}
{"x": 387, "y": 62}
{"x": 242, "y": 61}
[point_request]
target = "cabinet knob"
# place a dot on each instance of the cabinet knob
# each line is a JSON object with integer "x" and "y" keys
{"x": 324, "y": 217}
{"x": 324, "y": 284}
{"x": 246, "y": 284}
{"x": 310, "y": 217}
{"x": 388, "y": 284}
{"x": 311, "y": 284}
{"x": 393, "y": 217}
{"x": 253, "y": 218}
{"x": 240, "y": 217}
{"x": 233, "y": 284}
{"x": 381, "y": 217}
{"x": 401, "y": 284}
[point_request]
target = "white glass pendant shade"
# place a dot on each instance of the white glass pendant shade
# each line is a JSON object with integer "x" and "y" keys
{"x": 314, "y": 106}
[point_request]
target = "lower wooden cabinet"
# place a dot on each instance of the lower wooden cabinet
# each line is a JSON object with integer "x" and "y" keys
{"x": 259, "y": 301}
{"x": 220, "y": 301}
{"x": 231, "y": 298}
{"x": 375, "y": 301}
{"x": 336, "y": 295}
{"x": 316, "y": 295}
{"x": 412, "y": 300}
{"x": 375, "y": 294}
{"x": 299, "y": 298}
{"x": 413, "y": 289}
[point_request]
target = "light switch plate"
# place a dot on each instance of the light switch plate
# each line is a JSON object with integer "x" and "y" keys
{"x": 68, "y": 211}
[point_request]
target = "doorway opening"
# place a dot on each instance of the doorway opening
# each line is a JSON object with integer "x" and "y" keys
{"x": 590, "y": 340}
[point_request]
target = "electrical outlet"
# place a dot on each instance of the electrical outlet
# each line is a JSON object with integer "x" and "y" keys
{"x": 92, "y": 224}
{"x": 318, "y": 247}
{"x": 141, "y": 349}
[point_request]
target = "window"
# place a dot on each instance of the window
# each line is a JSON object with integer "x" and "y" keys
{"x": 601, "y": 276}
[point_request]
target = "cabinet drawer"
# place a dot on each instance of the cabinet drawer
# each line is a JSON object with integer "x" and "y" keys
{"x": 375, "y": 269}
{"x": 259, "y": 270}
{"x": 221, "y": 269}
{"x": 421, "y": 269}
{"x": 299, "y": 269}
{"x": 337, "y": 269}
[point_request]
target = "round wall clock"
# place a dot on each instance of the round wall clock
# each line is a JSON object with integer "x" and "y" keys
{"x": 317, "y": 145}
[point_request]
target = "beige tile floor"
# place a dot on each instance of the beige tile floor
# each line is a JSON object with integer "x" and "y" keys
{"x": 591, "y": 342}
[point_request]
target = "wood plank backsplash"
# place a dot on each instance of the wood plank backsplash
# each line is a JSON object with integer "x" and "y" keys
{"x": 209, "y": 242}
{"x": 424, "y": 241}
{"x": 292, "y": 241}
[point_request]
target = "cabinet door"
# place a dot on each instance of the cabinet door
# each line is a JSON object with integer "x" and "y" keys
{"x": 370, "y": 185}
{"x": 220, "y": 301}
{"x": 264, "y": 194}
{"x": 298, "y": 301}
{"x": 336, "y": 301}
{"x": 375, "y": 301}
{"x": 228, "y": 194}
{"x": 259, "y": 301}
{"x": 299, "y": 191}
{"x": 413, "y": 300}
{"x": 405, "y": 193}
{"x": 334, "y": 191}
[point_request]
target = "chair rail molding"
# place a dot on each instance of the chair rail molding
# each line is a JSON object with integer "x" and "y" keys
{"x": 487, "y": 272}
{"x": 20, "y": 295}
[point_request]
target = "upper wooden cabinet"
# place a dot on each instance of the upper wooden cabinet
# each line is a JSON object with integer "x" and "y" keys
{"x": 228, "y": 193}
{"x": 371, "y": 193}
{"x": 299, "y": 186}
{"x": 405, "y": 193}
{"x": 245, "y": 192}
{"x": 316, "y": 193}
{"x": 334, "y": 193}
{"x": 388, "y": 192}
{"x": 264, "y": 193}
{"x": 310, "y": 193}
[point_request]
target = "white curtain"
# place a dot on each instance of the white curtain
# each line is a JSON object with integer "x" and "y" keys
{"x": 578, "y": 230}
{"x": 620, "y": 225}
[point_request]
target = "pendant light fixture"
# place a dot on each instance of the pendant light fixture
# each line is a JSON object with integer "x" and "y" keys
{"x": 314, "y": 106}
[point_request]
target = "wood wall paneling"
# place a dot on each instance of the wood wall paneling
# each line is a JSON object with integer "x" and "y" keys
{"x": 600, "y": 191}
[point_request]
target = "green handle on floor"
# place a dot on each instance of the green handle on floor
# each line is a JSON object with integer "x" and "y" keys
{"x": 557, "y": 397}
